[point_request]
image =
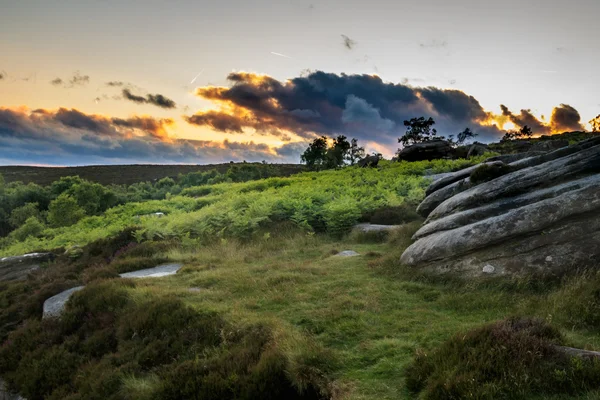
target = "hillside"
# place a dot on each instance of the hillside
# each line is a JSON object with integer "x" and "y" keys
{"x": 266, "y": 307}
{"x": 119, "y": 174}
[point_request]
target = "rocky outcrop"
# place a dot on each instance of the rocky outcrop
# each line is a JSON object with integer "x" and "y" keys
{"x": 542, "y": 216}
{"x": 18, "y": 267}
{"x": 477, "y": 149}
{"x": 431, "y": 150}
{"x": 369, "y": 161}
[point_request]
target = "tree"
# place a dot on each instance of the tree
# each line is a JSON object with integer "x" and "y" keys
{"x": 418, "y": 130}
{"x": 315, "y": 156}
{"x": 338, "y": 152}
{"x": 524, "y": 133}
{"x": 465, "y": 135}
{"x": 64, "y": 211}
{"x": 595, "y": 123}
{"x": 92, "y": 197}
{"x": 19, "y": 215}
{"x": 356, "y": 153}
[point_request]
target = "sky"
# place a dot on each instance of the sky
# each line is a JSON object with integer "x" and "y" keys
{"x": 120, "y": 82}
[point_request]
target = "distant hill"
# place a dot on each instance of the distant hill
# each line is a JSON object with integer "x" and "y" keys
{"x": 118, "y": 174}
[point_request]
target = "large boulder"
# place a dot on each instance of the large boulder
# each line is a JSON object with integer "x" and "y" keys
{"x": 369, "y": 161}
{"x": 542, "y": 216}
{"x": 477, "y": 149}
{"x": 18, "y": 267}
{"x": 549, "y": 145}
{"x": 431, "y": 150}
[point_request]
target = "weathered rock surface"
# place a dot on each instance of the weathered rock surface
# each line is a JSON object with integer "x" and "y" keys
{"x": 55, "y": 305}
{"x": 347, "y": 253}
{"x": 477, "y": 149}
{"x": 542, "y": 217}
{"x": 17, "y": 267}
{"x": 431, "y": 150}
{"x": 369, "y": 161}
{"x": 374, "y": 227}
{"x": 156, "y": 272}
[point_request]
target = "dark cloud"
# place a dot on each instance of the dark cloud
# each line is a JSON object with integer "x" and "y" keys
{"x": 217, "y": 120}
{"x": 348, "y": 43}
{"x": 156, "y": 99}
{"x": 361, "y": 106}
{"x": 115, "y": 83}
{"x": 2, "y": 75}
{"x": 136, "y": 99}
{"x": 70, "y": 137}
{"x": 57, "y": 82}
{"x": 526, "y": 118}
{"x": 565, "y": 118}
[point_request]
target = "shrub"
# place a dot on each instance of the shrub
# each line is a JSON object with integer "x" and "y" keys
{"x": 510, "y": 359}
{"x": 577, "y": 303}
{"x": 488, "y": 172}
{"x": 395, "y": 215}
{"x": 31, "y": 228}
{"x": 64, "y": 211}
{"x": 20, "y": 215}
{"x": 341, "y": 215}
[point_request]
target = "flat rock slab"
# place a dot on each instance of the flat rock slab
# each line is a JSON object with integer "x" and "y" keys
{"x": 156, "y": 272}
{"x": 55, "y": 305}
{"x": 347, "y": 253}
{"x": 374, "y": 227}
{"x": 18, "y": 267}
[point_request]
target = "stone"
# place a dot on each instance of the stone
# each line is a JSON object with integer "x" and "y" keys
{"x": 431, "y": 150}
{"x": 510, "y": 158}
{"x": 549, "y": 145}
{"x": 156, "y": 272}
{"x": 55, "y": 305}
{"x": 477, "y": 149}
{"x": 369, "y": 161}
{"x": 488, "y": 269}
{"x": 452, "y": 177}
{"x": 374, "y": 227}
{"x": 18, "y": 267}
{"x": 347, "y": 253}
{"x": 541, "y": 218}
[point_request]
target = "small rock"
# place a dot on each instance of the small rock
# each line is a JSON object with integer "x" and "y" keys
{"x": 156, "y": 272}
{"x": 194, "y": 289}
{"x": 374, "y": 227}
{"x": 549, "y": 259}
{"x": 55, "y": 305}
{"x": 347, "y": 253}
{"x": 489, "y": 269}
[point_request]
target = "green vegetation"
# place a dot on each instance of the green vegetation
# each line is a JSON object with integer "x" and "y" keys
{"x": 264, "y": 309}
{"x": 509, "y": 359}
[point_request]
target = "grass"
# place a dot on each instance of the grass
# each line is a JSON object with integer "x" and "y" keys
{"x": 371, "y": 320}
{"x": 265, "y": 307}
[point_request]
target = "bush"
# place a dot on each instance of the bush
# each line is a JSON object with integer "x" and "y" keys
{"x": 31, "y": 228}
{"x": 64, "y": 211}
{"x": 341, "y": 215}
{"x": 577, "y": 303}
{"x": 488, "y": 172}
{"x": 510, "y": 359}
{"x": 395, "y": 215}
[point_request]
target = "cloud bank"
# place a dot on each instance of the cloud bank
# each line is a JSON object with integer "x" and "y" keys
{"x": 71, "y": 137}
{"x": 360, "y": 106}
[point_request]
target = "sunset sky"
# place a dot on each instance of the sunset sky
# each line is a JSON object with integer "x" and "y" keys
{"x": 110, "y": 82}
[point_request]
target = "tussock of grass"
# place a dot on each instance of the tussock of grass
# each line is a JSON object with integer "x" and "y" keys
{"x": 510, "y": 359}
